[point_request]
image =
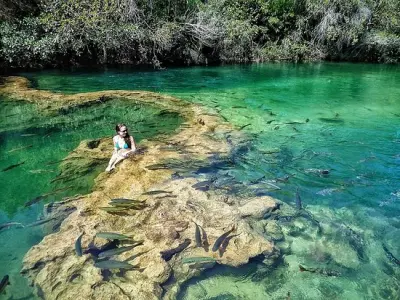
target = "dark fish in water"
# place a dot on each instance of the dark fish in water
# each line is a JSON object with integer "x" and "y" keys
{"x": 40, "y": 222}
{"x": 34, "y": 200}
{"x": 190, "y": 260}
{"x": 197, "y": 235}
{"x": 9, "y": 224}
{"x": 244, "y": 126}
{"x": 4, "y": 282}
{"x": 299, "y": 205}
{"x": 78, "y": 245}
{"x": 284, "y": 218}
{"x": 320, "y": 271}
{"x": 202, "y": 265}
{"x": 331, "y": 120}
{"x": 12, "y": 167}
{"x": 167, "y": 254}
{"x": 112, "y": 236}
{"x": 92, "y": 249}
{"x": 41, "y": 197}
{"x": 390, "y": 255}
{"x": 204, "y": 239}
{"x": 125, "y": 201}
{"x": 219, "y": 241}
{"x": 116, "y": 251}
{"x": 225, "y": 244}
{"x": 136, "y": 206}
{"x": 203, "y": 185}
{"x": 114, "y": 264}
{"x": 156, "y": 192}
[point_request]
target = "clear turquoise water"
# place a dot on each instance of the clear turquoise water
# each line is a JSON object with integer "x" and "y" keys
{"x": 40, "y": 141}
{"x": 353, "y": 130}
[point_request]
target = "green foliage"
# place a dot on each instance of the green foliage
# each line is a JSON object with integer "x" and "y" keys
{"x": 23, "y": 45}
{"x": 195, "y": 31}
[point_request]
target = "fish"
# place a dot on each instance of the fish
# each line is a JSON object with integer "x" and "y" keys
{"x": 28, "y": 134}
{"x": 9, "y": 224}
{"x": 136, "y": 206}
{"x": 219, "y": 241}
{"x": 4, "y": 282}
{"x": 125, "y": 200}
{"x": 202, "y": 265}
{"x": 40, "y": 222}
{"x": 114, "y": 264}
{"x": 190, "y": 260}
{"x": 157, "y": 167}
{"x": 390, "y": 256}
{"x": 112, "y": 236}
{"x": 299, "y": 205}
{"x": 34, "y": 200}
{"x": 41, "y": 197}
{"x": 12, "y": 166}
{"x": 20, "y": 148}
{"x": 197, "y": 235}
{"x": 324, "y": 172}
{"x": 225, "y": 244}
{"x": 331, "y": 120}
{"x": 116, "y": 251}
{"x": 320, "y": 271}
{"x": 78, "y": 245}
{"x": 244, "y": 126}
{"x": 203, "y": 185}
{"x": 93, "y": 250}
{"x": 156, "y": 192}
{"x": 204, "y": 239}
{"x": 168, "y": 254}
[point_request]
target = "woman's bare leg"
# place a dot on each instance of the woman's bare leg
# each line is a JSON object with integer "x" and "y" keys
{"x": 111, "y": 164}
{"x": 117, "y": 161}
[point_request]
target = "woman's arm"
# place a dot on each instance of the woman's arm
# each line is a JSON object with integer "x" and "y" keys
{"x": 116, "y": 146}
{"x": 133, "y": 144}
{"x": 133, "y": 148}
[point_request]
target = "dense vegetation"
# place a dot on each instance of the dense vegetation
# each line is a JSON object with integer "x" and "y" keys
{"x": 43, "y": 33}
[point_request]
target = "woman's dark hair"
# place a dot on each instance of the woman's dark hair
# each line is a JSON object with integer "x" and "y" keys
{"x": 119, "y": 126}
{"x": 127, "y": 138}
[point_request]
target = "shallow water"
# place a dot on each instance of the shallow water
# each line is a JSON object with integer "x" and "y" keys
{"x": 302, "y": 120}
{"x": 40, "y": 142}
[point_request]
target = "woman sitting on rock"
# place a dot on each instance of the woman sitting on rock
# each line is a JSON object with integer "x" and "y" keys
{"x": 124, "y": 145}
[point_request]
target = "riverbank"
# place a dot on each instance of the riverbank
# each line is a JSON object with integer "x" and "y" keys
{"x": 165, "y": 222}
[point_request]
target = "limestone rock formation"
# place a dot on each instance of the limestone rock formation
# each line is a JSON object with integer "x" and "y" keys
{"x": 172, "y": 207}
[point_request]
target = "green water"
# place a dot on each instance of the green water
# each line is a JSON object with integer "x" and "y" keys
{"x": 344, "y": 118}
{"x": 40, "y": 141}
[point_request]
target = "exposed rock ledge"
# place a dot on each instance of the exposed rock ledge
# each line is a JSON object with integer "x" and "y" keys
{"x": 59, "y": 273}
